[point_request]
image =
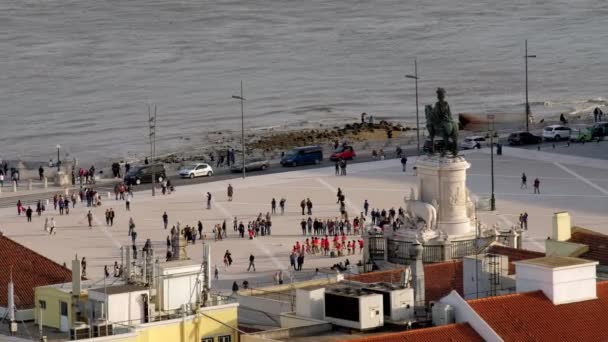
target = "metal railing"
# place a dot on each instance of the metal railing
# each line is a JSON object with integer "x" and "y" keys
{"x": 398, "y": 252}
{"x": 463, "y": 248}
{"x": 433, "y": 253}
{"x": 376, "y": 247}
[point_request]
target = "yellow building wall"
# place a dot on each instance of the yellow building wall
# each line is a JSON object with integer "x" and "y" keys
{"x": 51, "y": 316}
{"x": 192, "y": 329}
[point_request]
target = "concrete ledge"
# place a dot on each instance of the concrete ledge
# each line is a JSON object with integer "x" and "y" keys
{"x": 286, "y": 333}
{"x": 564, "y": 248}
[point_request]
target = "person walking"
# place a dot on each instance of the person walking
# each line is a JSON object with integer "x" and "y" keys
{"x": 235, "y": 288}
{"x": 303, "y": 206}
{"x": 216, "y": 273}
{"x": 300, "y": 261}
{"x": 273, "y": 206}
{"x": 1, "y": 180}
{"x": 165, "y": 219}
{"x": 524, "y": 181}
{"x": 200, "y": 230}
{"x": 282, "y": 205}
{"x": 208, "y": 200}
{"x": 128, "y": 202}
{"x": 537, "y": 186}
{"x": 251, "y": 263}
{"x": 292, "y": 261}
{"x": 309, "y": 206}
{"x": 90, "y": 219}
{"x": 83, "y": 265}
{"x": 403, "y": 162}
{"x": 366, "y": 207}
{"x": 342, "y": 167}
{"x": 131, "y": 226}
{"x": 28, "y": 214}
{"x": 524, "y": 220}
{"x": 41, "y": 172}
{"x": 112, "y": 215}
{"x": 46, "y": 224}
{"x": 230, "y": 192}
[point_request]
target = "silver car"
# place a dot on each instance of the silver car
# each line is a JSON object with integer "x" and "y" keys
{"x": 252, "y": 164}
{"x": 195, "y": 170}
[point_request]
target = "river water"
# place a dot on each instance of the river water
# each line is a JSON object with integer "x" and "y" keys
{"x": 81, "y": 73}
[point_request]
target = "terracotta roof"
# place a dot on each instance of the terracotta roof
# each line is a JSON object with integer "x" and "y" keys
{"x": 30, "y": 270}
{"x": 514, "y": 254}
{"x": 598, "y": 244}
{"x": 446, "y": 333}
{"x": 531, "y": 316}
{"x": 439, "y": 278}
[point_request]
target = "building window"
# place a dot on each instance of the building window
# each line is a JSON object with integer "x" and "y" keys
{"x": 42, "y": 304}
{"x": 225, "y": 338}
{"x": 207, "y": 339}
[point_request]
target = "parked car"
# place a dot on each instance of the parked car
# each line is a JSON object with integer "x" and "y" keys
{"x": 439, "y": 145}
{"x": 523, "y": 138}
{"x": 556, "y": 132}
{"x": 303, "y": 155}
{"x": 600, "y": 129}
{"x": 473, "y": 142}
{"x": 251, "y": 164}
{"x": 582, "y": 134}
{"x": 143, "y": 174}
{"x": 196, "y": 170}
{"x": 345, "y": 152}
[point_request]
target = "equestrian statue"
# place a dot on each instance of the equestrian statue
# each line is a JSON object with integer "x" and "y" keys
{"x": 439, "y": 122}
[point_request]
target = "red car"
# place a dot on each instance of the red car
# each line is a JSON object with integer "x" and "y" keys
{"x": 345, "y": 152}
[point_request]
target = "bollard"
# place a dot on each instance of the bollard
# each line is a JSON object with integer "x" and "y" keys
{"x": 109, "y": 196}
{"x": 14, "y": 186}
{"x": 67, "y": 191}
{"x": 46, "y": 184}
{"x": 47, "y": 202}
{"x": 29, "y": 185}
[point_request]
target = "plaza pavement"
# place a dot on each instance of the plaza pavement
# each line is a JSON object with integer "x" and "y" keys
{"x": 576, "y": 184}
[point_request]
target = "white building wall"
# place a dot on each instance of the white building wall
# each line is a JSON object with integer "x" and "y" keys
{"x": 126, "y": 307}
{"x": 310, "y": 303}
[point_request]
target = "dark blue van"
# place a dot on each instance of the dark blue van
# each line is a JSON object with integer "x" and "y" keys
{"x": 303, "y": 155}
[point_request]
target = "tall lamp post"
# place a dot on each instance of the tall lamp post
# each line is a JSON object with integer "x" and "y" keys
{"x": 415, "y": 78}
{"x": 492, "y": 198}
{"x": 58, "y": 161}
{"x": 242, "y": 99}
{"x": 152, "y": 136}
{"x": 526, "y": 56}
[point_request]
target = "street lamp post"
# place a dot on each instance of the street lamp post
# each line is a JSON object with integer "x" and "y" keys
{"x": 492, "y": 198}
{"x": 242, "y": 99}
{"x": 58, "y": 161}
{"x": 415, "y": 78}
{"x": 152, "y": 136}
{"x": 526, "y": 56}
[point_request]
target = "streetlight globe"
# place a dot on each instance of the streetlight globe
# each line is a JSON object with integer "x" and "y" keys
{"x": 58, "y": 146}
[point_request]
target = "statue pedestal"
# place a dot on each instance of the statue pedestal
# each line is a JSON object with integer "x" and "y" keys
{"x": 61, "y": 179}
{"x": 443, "y": 179}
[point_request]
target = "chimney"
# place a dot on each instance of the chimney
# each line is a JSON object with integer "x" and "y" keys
{"x": 76, "y": 276}
{"x": 561, "y": 226}
{"x": 417, "y": 273}
{"x": 562, "y": 279}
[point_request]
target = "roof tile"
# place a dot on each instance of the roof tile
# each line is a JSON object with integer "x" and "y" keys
{"x": 446, "y": 333}
{"x": 531, "y": 316}
{"x": 598, "y": 244}
{"x": 29, "y": 269}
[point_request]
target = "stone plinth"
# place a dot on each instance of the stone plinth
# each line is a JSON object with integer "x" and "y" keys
{"x": 61, "y": 179}
{"x": 443, "y": 180}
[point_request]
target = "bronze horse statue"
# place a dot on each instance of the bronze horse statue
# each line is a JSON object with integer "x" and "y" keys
{"x": 439, "y": 122}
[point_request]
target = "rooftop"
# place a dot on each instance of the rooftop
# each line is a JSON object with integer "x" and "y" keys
{"x": 29, "y": 270}
{"x": 446, "y": 333}
{"x": 597, "y": 242}
{"x": 514, "y": 254}
{"x": 531, "y": 316}
{"x": 554, "y": 261}
{"x": 119, "y": 289}
{"x": 439, "y": 278}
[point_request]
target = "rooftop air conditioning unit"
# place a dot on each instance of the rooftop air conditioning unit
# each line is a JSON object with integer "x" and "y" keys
{"x": 361, "y": 311}
{"x": 442, "y": 314}
{"x": 398, "y": 301}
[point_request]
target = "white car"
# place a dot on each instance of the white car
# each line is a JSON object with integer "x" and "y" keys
{"x": 473, "y": 142}
{"x": 556, "y": 132}
{"x": 196, "y": 170}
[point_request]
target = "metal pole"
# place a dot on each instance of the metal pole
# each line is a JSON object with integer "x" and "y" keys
{"x": 417, "y": 117}
{"x": 151, "y": 135}
{"x": 527, "y": 103}
{"x": 492, "y": 198}
{"x": 243, "y": 127}
{"x": 58, "y": 162}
